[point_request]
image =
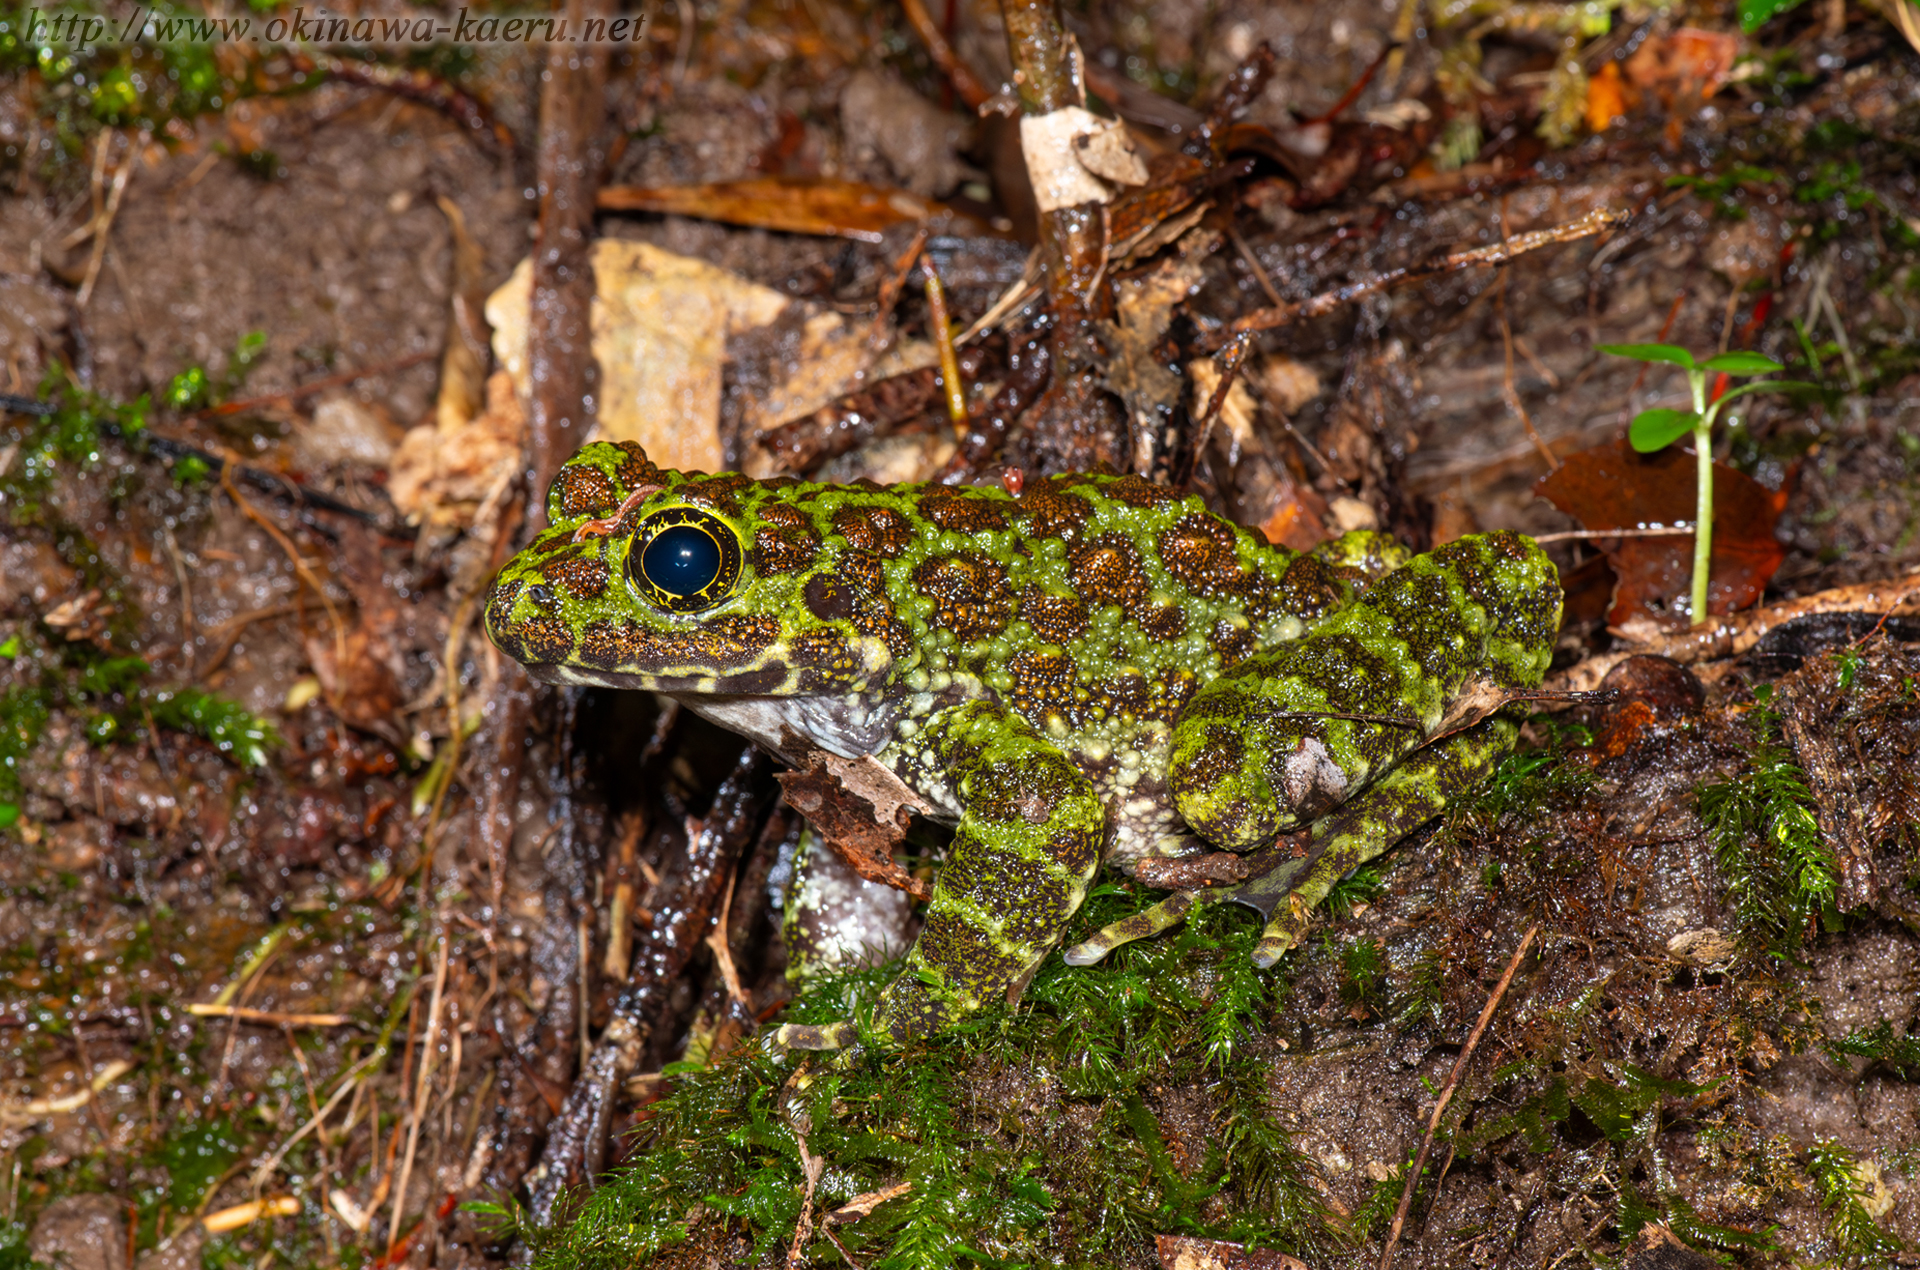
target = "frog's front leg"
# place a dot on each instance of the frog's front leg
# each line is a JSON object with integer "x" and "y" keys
{"x": 1025, "y": 850}
{"x": 1425, "y": 784}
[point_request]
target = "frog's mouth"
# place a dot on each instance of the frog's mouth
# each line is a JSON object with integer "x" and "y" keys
{"x": 775, "y": 679}
{"x": 762, "y": 705}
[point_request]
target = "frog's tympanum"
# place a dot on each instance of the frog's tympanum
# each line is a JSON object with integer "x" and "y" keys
{"x": 1096, "y": 668}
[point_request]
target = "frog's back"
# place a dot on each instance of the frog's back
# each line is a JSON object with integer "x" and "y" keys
{"x": 1094, "y": 606}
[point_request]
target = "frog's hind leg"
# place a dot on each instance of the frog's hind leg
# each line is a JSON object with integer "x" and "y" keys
{"x": 1294, "y": 731}
{"x": 1422, "y": 787}
{"x": 1425, "y": 784}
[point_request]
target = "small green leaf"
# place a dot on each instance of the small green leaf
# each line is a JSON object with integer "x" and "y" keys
{"x": 187, "y": 390}
{"x": 1657, "y": 429}
{"x": 1651, "y": 353}
{"x": 1754, "y": 13}
{"x": 1742, "y": 363}
{"x": 11, "y": 648}
{"x": 9, "y": 815}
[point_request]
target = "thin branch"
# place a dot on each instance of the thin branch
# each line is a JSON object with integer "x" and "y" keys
{"x": 1446, "y": 1094}
{"x": 1594, "y": 222}
{"x": 275, "y": 1017}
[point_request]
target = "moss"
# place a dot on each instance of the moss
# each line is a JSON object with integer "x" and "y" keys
{"x": 1030, "y": 1135}
{"x": 1781, "y": 876}
{"x": 1840, "y": 1180}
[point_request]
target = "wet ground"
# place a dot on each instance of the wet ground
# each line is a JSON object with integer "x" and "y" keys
{"x": 390, "y": 1013}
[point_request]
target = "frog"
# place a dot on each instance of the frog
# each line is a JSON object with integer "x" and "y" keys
{"x": 1072, "y": 671}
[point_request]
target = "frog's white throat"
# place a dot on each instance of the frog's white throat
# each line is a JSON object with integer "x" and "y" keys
{"x": 850, "y": 725}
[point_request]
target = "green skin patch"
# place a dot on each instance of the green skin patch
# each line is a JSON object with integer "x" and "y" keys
{"x": 1096, "y": 668}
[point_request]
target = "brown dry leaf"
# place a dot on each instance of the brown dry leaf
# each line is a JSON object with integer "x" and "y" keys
{"x": 443, "y": 475}
{"x": 1143, "y": 309}
{"x": 795, "y": 205}
{"x": 1689, "y": 59}
{"x": 1184, "y": 1252}
{"x": 664, "y": 327}
{"x": 1612, "y": 487}
{"x": 862, "y": 810}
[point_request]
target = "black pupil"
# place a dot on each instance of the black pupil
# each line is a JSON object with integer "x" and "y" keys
{"x": 681, "y": 561}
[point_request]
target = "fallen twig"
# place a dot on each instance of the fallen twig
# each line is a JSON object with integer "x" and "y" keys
{"x": 1446, "y": 1094}
{"x": 1735, "y": 633}
{"x": 102, "y": 224}
{"x": 248, "y": 1213}
{"x": 40, "y": 1108}
{"x": 422, "y": 1086}
{"x": 299, "y": 567}
{"x": 275, "y": 1017}
{"x": 958, "y": 73}
{"x": 348, "y": 1084}
{"x": 1594, "y": 222}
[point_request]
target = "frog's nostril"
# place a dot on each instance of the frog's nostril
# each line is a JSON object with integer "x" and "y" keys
{"x": 540, "y": 595}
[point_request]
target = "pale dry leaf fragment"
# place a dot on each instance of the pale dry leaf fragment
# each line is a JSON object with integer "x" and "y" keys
{"x": 344, "y": 430}
{"x": 1237, "y": 412}
{"x": 1703, "y": 947}
{"x": 443, "y": 475}
{"x": 1109, "y": 153}
{"x": 662, "y": 328}
{"x": 1063, "y": 172}
{"x": 1286, "y": 384}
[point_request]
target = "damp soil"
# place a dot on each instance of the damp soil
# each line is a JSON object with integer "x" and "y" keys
{"x": 336, "y": 915}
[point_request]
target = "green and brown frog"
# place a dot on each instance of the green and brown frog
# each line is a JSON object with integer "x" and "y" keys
{"x": 1094, "y": 668}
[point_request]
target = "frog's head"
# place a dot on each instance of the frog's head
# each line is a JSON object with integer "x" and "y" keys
{"x": 690, "y": 585}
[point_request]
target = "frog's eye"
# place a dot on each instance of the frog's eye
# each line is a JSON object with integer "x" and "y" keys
{"x": 684, "y": 559}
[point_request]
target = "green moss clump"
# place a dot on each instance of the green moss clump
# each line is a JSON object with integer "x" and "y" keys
{"x": 1034, "y": 1135}
{"x": 1780, "y": 874}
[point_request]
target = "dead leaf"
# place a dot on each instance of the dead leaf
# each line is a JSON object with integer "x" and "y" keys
{"x": 1609, "y": 97}
{"x": 346, "y": 430}
{"x": 82, "y": 617}
{"x": 664, "y": 327}
{"x": 1287, "y": 384}
{"x": 1073, "y": 156}
{"x": 1612, "y": 487}
{"x": 1143, "y": 309}
{"x": 1184, "y": 1252}
{"x": 795, "y": 205}
{"x": 862, "y": 810}
{"x": 1689, "y": 60}
{"x": 442, "y": 476}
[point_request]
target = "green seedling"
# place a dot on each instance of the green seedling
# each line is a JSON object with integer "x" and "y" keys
{"x": 1657, "y": 429}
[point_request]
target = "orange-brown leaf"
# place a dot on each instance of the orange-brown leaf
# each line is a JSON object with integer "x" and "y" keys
{"x": 1612, "y": 487}
{"x": 797, "y": 205}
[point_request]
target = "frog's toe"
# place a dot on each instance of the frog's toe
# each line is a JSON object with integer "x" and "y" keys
{"x": 1281, "y": 935}
{"x": 1165, "y": 915}
{"x": 812, "y": 1036}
